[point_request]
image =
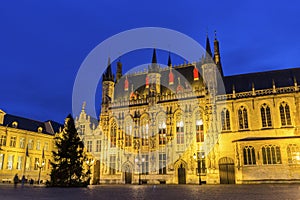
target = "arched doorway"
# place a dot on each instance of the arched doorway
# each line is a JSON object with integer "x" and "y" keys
{"x": 127, "y": 174}
{"x": 226, "y": 170}
{"x": 181, "y": 175}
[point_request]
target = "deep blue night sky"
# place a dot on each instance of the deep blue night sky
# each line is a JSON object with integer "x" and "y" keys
{"x": 43, "y": 43}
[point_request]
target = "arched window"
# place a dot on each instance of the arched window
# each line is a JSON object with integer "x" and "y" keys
{"x": 113, "y": 134}
{"x": 243, "y": 118}
{"x": 199, "y": 127}
{"x": 249, "y": 155}
{"x": 225, "y": 119}
{"x": 293, "y": 152}
{"x": 285, "y": 115}
{"x": 128, "y": 132}
{"x": 145, "y": 131}
{"x": 271, "y": 155}
{"x": 265, "y": 116}
{"x": 162, "y": 130}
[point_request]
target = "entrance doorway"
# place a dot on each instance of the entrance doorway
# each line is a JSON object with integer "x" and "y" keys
{"x": 181, "y": 175}
{"x": 226, "y": 170}
{"x": 127, "y": 175}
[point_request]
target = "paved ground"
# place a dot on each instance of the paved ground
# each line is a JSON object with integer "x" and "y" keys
{"x": 154, "y": 192}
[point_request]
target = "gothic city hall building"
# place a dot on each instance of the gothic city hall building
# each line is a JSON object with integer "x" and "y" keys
{"x": 190, "y": 124}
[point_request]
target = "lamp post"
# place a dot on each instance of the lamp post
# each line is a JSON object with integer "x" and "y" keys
{"x": 197, "y": 158}
{"x": 40, "y": 166}
{"x": 89, "y": 163}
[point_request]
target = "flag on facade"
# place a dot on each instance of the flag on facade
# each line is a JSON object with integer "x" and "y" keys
{"x": 27, "y": 154}
{"x": 43, "y": 155}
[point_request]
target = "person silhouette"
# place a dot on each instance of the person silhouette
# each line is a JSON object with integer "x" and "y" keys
{"x": 16, "y": 180}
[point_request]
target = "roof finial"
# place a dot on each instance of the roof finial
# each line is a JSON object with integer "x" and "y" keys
{"x": 83, "y": 106}
{"x": 215, "y": 35}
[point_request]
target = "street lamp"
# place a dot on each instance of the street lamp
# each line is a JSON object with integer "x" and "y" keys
{"x": 89, "y": 163}
{"x": 199, "y": 166}
{"x": 40, "y": 166}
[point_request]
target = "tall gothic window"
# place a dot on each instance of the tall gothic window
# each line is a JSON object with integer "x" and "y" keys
{"x": 112, "y": 164}
{"x": 199, "y": 131}
{"x": 285, "y": 115}
{"x": 128, "y": 132}
{"x": 271, "y": 154}
{"x": 265, "y": 116}
{"x": 113, "y": 134}
{"x": 243, "y": 118}
{"x": 249, "y": 155}
{"x": 145, "y": 131}
{"x": 293, "y": 152}
{"x": 162, "y": 130}
{"x": 180, "y": 132}
{"x": 145, "y": 164}
{"x": 225, "y": 119}
{"x": 162, "y": 163}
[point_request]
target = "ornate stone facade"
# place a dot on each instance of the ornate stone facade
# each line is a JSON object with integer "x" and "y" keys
{"x": 189, "y": 123}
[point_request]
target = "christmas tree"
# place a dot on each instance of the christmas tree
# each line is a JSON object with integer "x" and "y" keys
{"x": 68, "y": 158}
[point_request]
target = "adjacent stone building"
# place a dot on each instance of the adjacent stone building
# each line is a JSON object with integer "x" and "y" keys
{"x": 25, "y": 147}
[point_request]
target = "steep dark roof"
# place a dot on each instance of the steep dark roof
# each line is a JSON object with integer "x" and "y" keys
{"x": 261, "y": 80}
{"x": 49, "y": 127}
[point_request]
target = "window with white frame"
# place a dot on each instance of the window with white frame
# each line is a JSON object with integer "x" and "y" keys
{"x": 162, "y": 130}
{"x": 162, "y": 163}
{"x": 38, "y": 145}
{"x": 22, "y": 143}
{"x": 293, "y": 152}
{"x": 145, "y": 131}
{"x": 10, "y": 162}
{"x": 19, "y": 162}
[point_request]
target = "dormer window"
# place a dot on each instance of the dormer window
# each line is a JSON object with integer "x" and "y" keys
{"x": 40, "y": 129}
{"x": 14, "y": 124}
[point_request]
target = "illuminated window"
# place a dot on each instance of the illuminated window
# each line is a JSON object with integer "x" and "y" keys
{"x": 28, "y": 163}
{"x": 1, "y": 160}
{"x": 293, "y": 152}
{"x": 10, "y": 162}
{"x": 225, "y": 120}
{"x": 249, "y": 155}
{"x": 36, "y": 161}
{"x": 38, "y": 145}
{"x": 199, "y": 131}
{"x": 266, "y": 116}
{"x": 145, "y": 131}
{"x": 22, "y": 143}
{"x": 128, "y": 132}
{"x": 145, "y": 164}
{"x": 162, "y": 163}
{"x": 13, "y": 140}
{"x": 30, "y": 144}
{"x": 98, "y": 145}
{"x": 3, "y": 140}
{"x": 243, "y": 118}
{"x": 180, "y": 132}
{"x": 46, "y": 147}
{"x": 271, "y": 155}
{"x": 82, "y": 129}
{"x": 162, "y": 130}
{"x": 19, "y": 162}
{"x": 89, "y": 146}
{"x": 113, "y": 134}
{"x": 285, "y": 114}
{"x": 112, "y": 164}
